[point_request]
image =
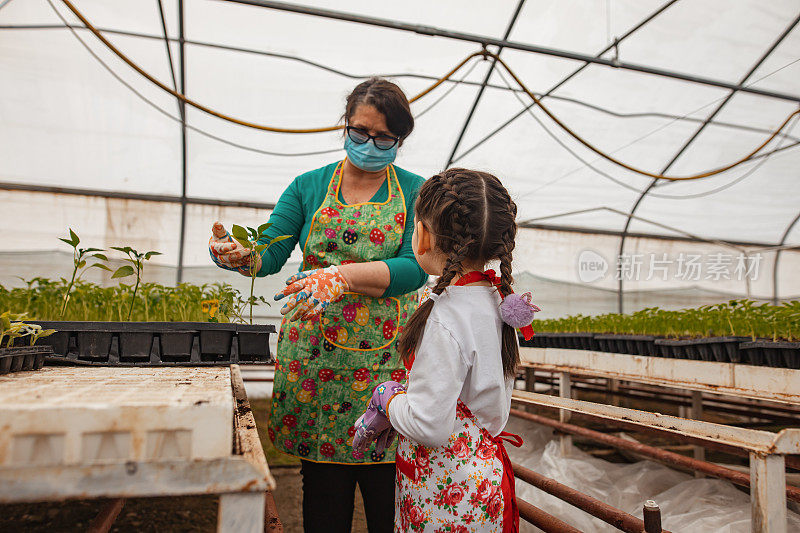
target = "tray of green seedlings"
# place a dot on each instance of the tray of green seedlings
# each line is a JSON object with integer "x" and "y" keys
{"x": 738, "y": 331}
{"x": 18, "y": 351}
{"x": 142, "y": 323}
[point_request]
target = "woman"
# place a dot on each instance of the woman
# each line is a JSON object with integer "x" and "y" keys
{"x": 354, "y": 219}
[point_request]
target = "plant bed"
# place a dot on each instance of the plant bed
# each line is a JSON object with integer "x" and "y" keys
{"x": 772, "y": 353}
{"x": 23, "y": 358}
{"x": 157, "y": 343}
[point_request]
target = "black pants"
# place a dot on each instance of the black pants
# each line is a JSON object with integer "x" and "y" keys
{"x": 329, "y": 495}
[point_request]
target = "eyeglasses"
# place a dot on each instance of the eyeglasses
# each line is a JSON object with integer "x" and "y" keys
{"x": 382, "y": 142}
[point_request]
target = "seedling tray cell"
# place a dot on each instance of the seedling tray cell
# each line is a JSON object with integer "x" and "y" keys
{"x": 158, "y": 343}
{"x": 23, "y": 358}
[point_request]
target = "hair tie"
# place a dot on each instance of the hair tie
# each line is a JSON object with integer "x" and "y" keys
{"x": 433, "y": 297}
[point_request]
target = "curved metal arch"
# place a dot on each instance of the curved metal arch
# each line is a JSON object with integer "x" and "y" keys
{"x": 778, "y": 256}
{"x": 764, "y": 56}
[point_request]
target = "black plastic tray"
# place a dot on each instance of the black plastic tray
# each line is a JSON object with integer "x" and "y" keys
{"x": 776, "y": 354}
{"x": 158, "y": 343}
{"x": 22, "y": 358}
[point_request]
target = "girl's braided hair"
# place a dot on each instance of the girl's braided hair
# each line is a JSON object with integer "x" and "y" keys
{"x": 473, "y": 219}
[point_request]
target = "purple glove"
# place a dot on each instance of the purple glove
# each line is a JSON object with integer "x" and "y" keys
{"x": 374, "y": 423}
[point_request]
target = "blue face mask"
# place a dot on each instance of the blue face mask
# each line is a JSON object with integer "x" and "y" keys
{"x": 369, "y": 157}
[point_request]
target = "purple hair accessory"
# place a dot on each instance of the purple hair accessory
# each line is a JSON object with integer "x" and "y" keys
{"x": 517, "y": 311}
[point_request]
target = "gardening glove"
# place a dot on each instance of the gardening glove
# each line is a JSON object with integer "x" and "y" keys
{"x": 313, "y": 291}
{"x": 374, "y": 424}
{"x": 227, "y": 253}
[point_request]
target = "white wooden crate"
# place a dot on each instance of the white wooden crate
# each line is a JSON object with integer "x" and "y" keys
{"x": 102, "y": 415}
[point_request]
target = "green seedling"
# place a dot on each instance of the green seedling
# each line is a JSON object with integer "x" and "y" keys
{"x": 136, "y": 268}
{"x": 250, "y": 238}
{"x": 80, "y": 258}
{"x": 13, "y": 327}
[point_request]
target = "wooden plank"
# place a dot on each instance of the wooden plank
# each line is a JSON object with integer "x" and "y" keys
{"x": 748, "y": 381}
{"x": 117, "y": 480}
{"x": 241, "y": 512}
{"x": 246, "y": 441}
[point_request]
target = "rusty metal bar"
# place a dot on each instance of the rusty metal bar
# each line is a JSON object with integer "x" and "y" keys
{"x": 105, "y": 518}
{"x": 608, "y": 514}
{"x": 671, "y": 458}
{"x": 544, "y": 521}
{"x": 272, "y": 522}
{"x": 652, "y": 517}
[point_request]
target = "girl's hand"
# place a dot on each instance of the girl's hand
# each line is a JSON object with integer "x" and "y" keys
{"x": 374, "y": 424}
{"x": 313, "y": 291}
{"x": 229, "y": 254}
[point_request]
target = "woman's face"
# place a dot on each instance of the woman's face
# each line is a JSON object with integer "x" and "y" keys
{"x": 369, "y": 119}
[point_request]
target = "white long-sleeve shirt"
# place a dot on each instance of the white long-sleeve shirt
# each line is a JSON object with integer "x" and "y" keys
{"x": 458, "y": 357}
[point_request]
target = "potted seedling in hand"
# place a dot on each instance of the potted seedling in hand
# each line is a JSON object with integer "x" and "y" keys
{"x": 249, "y": 238}
{"x": 253, "y": 340}
{"x": 80, "y": 258}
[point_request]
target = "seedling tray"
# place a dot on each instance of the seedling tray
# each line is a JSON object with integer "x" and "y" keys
{"x": 22, "y": 358}
{"x": 158, "y": 343}
{"x": 774, "y": 354}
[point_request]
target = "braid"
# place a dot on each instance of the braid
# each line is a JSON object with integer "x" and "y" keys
{"x": 473, "y": 219}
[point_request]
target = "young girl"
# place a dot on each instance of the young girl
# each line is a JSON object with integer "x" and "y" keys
{"x": 453, "y": 473}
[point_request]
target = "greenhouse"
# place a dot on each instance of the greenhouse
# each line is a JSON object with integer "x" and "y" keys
{"x": 645, "y": 159}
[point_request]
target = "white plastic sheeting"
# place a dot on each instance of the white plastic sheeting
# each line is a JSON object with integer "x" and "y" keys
{"x": 687, "y": 504}
{"x": 66, "y": 121}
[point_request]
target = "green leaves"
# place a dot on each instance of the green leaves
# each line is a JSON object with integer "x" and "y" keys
{"x": 263, "y": 228}
{"x": 279, "y": 239}
{"x": 735, "y": 318}
{"x": 123, "y": 271}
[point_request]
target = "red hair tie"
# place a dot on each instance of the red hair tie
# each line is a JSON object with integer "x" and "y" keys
{"x": 516, "y": 310}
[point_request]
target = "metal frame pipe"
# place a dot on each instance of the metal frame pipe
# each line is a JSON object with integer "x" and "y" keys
{"x": 671, "y": 458}
{"x": 525, "y": 47}
{"x": 544, "y": 521}
{"x": 608, "y": 514}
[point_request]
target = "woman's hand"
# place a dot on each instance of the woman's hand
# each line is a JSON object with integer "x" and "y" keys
{"x": 313, "y": 290}
{"x": 229, "y": 254}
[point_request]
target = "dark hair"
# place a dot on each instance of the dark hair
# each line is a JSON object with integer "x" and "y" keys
{"x": 474, "y": 219}
{"x": 387, "y": 98}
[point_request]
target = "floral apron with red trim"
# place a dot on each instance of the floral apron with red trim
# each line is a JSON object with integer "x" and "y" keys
{"x": 327, "y": 367}
{"x": 463, "y": 486}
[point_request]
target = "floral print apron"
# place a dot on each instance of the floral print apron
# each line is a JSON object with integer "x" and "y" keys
{"x": 463, "y": 486}
{"x": 327, "y": 367}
